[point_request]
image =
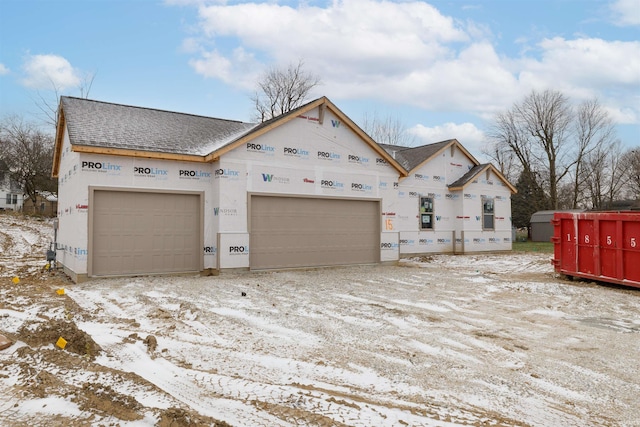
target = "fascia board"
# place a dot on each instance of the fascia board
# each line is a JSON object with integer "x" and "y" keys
{"x": 137, "y": 153}
{"x": 57, "y": 150}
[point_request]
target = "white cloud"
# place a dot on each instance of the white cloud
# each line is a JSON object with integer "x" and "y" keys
{"x": 3, "y": 70}
{"x": 467, "y": 133}
{"x": 408, "y": 53}
{"x": 587, "y": 68}
{"x": 49, "y": 72}
{"x": 371, "y": 38}
{"x": 240, "y": 69}
{"x": 588, "y": 62}
{"x": 626, "y": 12}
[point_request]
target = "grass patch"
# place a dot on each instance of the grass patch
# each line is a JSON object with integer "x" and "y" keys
{"x": 528, "y": 246}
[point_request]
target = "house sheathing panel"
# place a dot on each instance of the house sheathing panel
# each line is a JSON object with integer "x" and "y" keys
{"x": 315, "y": 152}
{"x": 83, "y": 173}
{"x": 73, "y": 204}
{"x": 471, "y": 237}
{"x": 430, "y": 180}
{"x": 302, "y": 158}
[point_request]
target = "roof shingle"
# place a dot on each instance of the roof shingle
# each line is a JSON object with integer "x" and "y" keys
{"x": 102, "y": 124}
{"x": 411, "y": 157}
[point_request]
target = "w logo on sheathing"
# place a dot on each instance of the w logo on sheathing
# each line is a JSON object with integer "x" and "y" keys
{"x": 267, "y": 177}
{"x": 335, "y": 123}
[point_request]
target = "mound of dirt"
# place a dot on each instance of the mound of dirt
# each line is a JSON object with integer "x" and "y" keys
{"x": 38, "y": 334}
{"x": 102, "y": 398}
{"x": 176, "y": 417}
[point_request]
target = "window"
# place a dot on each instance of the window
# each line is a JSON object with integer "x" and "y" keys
{"x": 8, "y": 198}
{"x": 487, "y": 213}
{"x": 426, "y": 213}
{"x": 15, "y": 199}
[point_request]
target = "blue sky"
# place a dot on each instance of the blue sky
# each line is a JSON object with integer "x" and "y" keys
{"x": 443, "y": 67}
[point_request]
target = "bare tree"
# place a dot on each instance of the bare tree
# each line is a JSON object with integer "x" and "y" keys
{"x": 618, "y": 175}
{"x": 387, "y": 130}
{"x": 504, "y": 159}
{"x": 546, "y": 119}
{"x": 508, "y": 138}
{"x": 282, "y": 90}
{"x": 594, "y": 137}
{"x": 631, "y": 163}
{"x": 594, "y": 177}
{"x": 48, "y": 103}
{"x": 606, "y": 175}
{"x": 553, "y": 143}
{"x": 28, "y": 153}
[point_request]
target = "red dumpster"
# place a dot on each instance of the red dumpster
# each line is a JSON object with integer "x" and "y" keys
{"x": 602, "y": 246}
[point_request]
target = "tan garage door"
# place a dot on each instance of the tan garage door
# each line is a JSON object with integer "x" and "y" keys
{"x": 144, "y": 233}
{"x": 301, "y": 232}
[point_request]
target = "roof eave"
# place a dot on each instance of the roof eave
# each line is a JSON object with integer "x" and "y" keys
{"x": 157, "y": 155}
{"x": 57, "y": 150}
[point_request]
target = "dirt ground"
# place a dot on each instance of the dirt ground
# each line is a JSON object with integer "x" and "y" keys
{"x": 436, "y": 341}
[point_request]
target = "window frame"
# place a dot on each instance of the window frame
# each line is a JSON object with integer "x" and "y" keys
{"x": 486, "y": 214}
{"x": 427, "y": 212}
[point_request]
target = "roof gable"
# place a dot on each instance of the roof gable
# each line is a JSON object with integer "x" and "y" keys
{"x": 476, "y": 171}
{"x": 322, "y": 104}
{"x": 412, "y": 158}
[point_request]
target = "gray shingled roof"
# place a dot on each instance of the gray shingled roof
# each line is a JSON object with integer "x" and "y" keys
{"x": 469, "y": 176}
{"x": 411, "y": 157}
{"x": 102, "y": 124}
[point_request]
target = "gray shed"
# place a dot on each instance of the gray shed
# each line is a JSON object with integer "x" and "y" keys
{"x": 541, "y": 226}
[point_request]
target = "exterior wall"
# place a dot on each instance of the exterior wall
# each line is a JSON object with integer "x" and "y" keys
{"x": 11, "y": 189}
{"x": 43, "y": 206}
{"x": 15, "y": 195}
{"x": 471, "y": 236}
{"x": 302, "y": 158}
{"x": 71, "y": 245}
{"x": 541, "y": 231}
{"x": 79, "y": 172}
{"x": 431, "y": 181}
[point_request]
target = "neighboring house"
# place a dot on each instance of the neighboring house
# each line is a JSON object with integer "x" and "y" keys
{"x": 11, "y": 197}
{"x": 144, "y": 191}
{"x": 46, "y": 204}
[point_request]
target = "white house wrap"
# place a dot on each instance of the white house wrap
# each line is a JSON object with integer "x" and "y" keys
{"x": 144, "y": 191}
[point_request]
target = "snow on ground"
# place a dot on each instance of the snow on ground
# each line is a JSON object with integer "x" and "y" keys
{"x": 23, "y": 243}
{"x": 436, "y": 341}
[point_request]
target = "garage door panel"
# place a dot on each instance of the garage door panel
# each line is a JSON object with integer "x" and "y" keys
{"x": 300, "y": 232}
{"x": 139, "y": 233}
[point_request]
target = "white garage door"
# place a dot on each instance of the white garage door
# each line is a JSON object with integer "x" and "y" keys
{"x": 144, "y": 233}
{"x": 291, "y": 232}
